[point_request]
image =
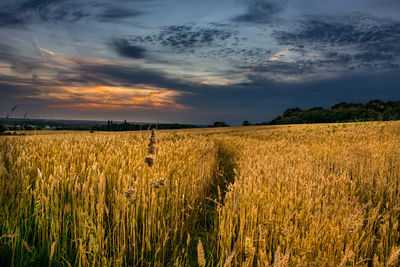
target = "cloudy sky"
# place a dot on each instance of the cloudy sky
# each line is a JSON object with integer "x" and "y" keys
{"x": 191, "y": 61}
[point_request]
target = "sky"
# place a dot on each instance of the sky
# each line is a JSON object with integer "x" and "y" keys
{"x": 190, "y": 61}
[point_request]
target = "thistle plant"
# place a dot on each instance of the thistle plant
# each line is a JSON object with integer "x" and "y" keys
{"x": 152, "y": 144}
{"x": 151, "y": 149}
{"x": 149, "y": 161}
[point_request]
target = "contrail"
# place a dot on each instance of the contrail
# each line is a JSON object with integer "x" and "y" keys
{"x": 40, "y": 49}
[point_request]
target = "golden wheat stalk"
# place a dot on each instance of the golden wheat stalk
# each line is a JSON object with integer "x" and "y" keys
{"x": 201, "y": 259}
{"x": 229, "y": 260}
{"x": 394, "y": 257}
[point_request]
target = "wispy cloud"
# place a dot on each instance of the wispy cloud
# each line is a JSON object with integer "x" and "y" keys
{"x": 280, "y": 54}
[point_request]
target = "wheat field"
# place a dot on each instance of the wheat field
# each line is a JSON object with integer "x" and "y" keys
{"x": 297, "y": 195}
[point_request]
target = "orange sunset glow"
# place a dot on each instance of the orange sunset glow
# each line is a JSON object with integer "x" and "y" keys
{"x": 140, "y": 97}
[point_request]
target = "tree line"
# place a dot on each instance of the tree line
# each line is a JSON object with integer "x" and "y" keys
{"x": 374, "y": 110}
{"x": 125, "y": 126}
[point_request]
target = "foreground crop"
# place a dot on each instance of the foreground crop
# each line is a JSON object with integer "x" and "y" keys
{"x": 323, "y": 195}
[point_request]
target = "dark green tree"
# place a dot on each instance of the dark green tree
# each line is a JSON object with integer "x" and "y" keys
{"x": 220, "y": 124}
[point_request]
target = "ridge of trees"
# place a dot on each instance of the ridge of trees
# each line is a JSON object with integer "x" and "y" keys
{"x": 374, "y": 110}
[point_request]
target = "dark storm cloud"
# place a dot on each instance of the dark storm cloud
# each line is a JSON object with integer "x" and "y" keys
{"x": 125, "y": 49}
{"x": 359, "y": 39}
{"x": 18, "y": 63}
{"x": 116, "y": 13}
{"x": 261, "y": 11}
{"x": 127, "y": 75}
{"x": 10, "y": 18}
{"x": 17, "y": 14}
{"x": 105, "y": 73}
{"x": 20, "y": 87}
{"x": 186, "y": 37}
